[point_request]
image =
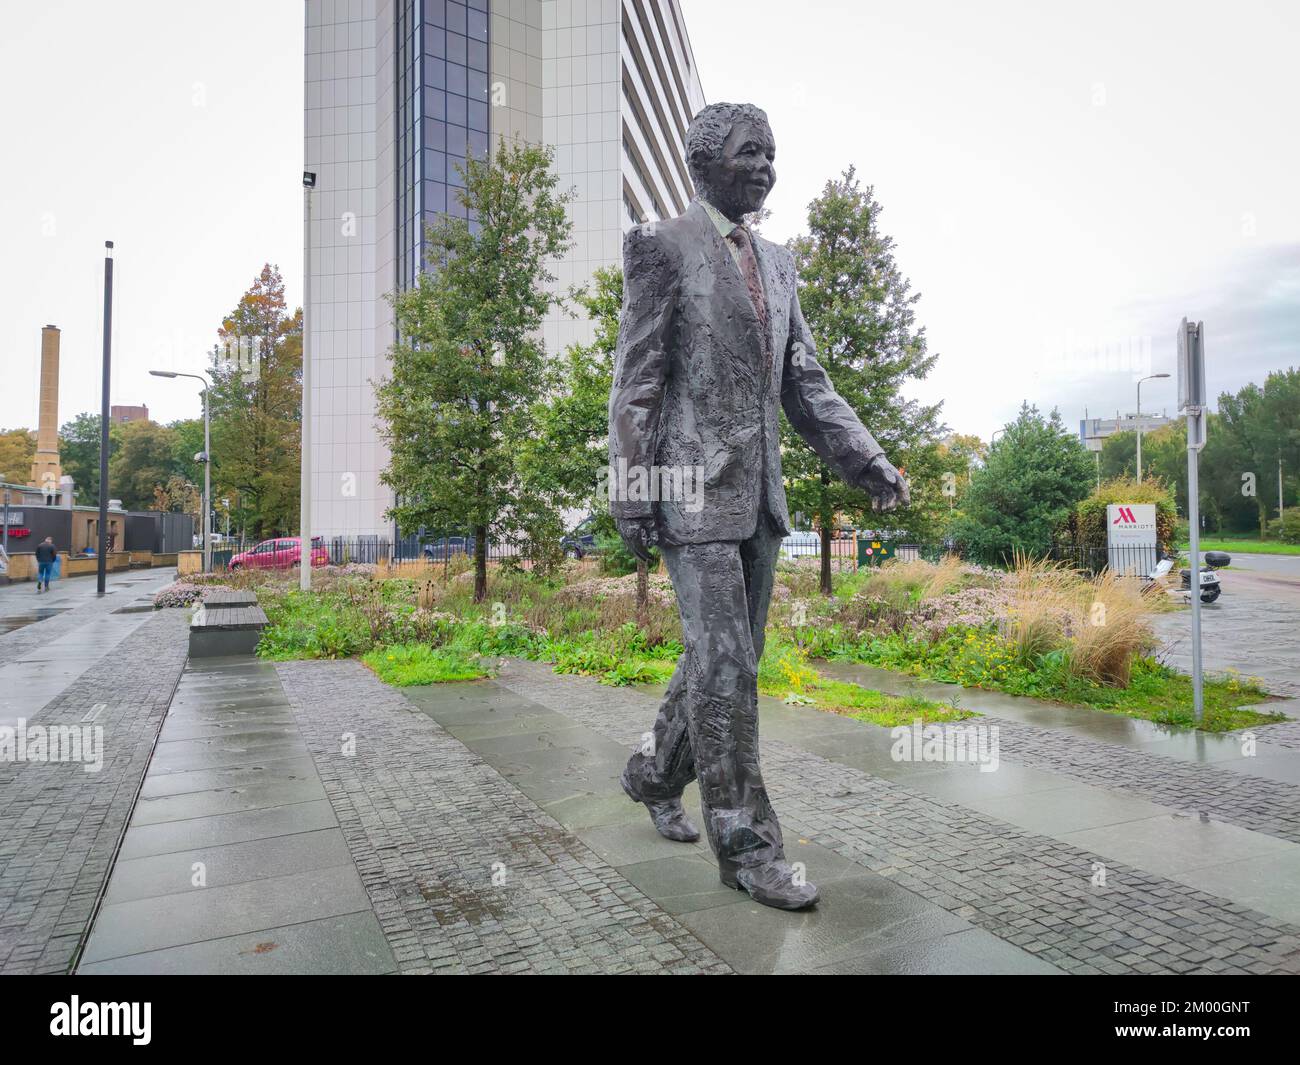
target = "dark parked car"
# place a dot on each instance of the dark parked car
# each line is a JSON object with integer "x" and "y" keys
{"x": 448, "y": 547}
{"x": 582, "y": 541}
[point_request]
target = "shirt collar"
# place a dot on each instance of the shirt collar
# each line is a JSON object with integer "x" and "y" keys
{"x": 724, "y": 224}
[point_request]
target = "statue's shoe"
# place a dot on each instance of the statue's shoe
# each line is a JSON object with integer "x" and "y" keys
{"x": 669, "y": 817}
{"x": 772, "y": 884}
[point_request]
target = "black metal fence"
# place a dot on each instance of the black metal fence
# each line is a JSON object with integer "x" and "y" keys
{"x": 373, "y": 550}
{"x": 1129, "y": 559}
{"x": 1139, "y": 560}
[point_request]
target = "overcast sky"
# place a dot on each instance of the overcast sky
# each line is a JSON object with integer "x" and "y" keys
{"x": 1064, "y": 182}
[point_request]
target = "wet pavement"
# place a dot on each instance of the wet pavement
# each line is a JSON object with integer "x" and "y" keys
{"x": 234, "y": 861}
{"x": 344, "y": 826}
{"x": 49, "y": 639}
{"x": 304, "y": 817}
{"x": 1253, "y": 627}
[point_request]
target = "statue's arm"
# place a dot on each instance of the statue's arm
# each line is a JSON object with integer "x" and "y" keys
{"x": 818, "y": 413}
{"x": 640, "y": 359}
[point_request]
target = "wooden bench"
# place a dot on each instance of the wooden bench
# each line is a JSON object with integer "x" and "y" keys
{"x": 227, "y": 629}
{"x": 222, "y": 598}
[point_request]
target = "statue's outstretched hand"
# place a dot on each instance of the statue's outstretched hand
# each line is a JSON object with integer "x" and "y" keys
{"x": 885, "y": 485}
{"x": 640, "y": 535}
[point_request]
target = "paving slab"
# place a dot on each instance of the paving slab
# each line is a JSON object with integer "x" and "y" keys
{"x": 234, "y": 860}
{"x": 150, "y": 924}
{"x": 214, "y": 830}
{"x": 345, "y": 946}
{"x": 232, "y": 863}
{"x": 1066, "y": 902}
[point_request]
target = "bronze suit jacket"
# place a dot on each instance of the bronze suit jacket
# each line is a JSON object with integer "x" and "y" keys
{"x": 697, "y": 387}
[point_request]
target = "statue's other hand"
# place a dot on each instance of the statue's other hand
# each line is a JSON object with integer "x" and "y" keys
{"x": 640, "y": 535}
{"x": 886, "y": 486}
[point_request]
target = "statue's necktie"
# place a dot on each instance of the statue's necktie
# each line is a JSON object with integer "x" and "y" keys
{"x": 749, "y": 270}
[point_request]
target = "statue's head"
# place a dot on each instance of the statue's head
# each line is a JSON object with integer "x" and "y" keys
{"x": 730, "y": 153}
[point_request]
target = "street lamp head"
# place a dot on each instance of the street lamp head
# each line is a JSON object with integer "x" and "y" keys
{"x": 163, "y": 373}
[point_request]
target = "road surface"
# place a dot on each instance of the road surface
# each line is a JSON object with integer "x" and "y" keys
{"x": 1254, "y": 627}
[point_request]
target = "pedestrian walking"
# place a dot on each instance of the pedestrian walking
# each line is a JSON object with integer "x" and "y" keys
{"x": 47, "y": 555}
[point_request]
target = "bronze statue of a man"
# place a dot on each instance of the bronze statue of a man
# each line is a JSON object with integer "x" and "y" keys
{"x": 711, "y": 341}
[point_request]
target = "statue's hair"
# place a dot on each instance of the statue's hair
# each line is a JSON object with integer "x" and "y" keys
{"x": 709, "y": 130}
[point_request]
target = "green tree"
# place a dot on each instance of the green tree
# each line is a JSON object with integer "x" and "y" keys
{"x": 1261, "y": 426}
{"x": 17, "y": 450}
{"x": 569, "y": 454}
{"x": 469, "y": 368}
{"x": 565, "y": 457}
{"x": 1025, "y": 491}
{"x": 140, "y": 461}
{"x": 189, "y": 442}
{"x": 79, "y": 455}
{"x": 257, "y": 408}
{"x": 860, "y": 309}
{"x": 1119, "y": 454}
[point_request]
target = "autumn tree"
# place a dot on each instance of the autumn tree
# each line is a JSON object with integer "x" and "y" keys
{"x": 17, "y": 450}
{"x": 257, "y": 407}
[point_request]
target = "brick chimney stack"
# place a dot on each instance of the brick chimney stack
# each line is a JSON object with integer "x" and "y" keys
{"x": 46, "y": 470}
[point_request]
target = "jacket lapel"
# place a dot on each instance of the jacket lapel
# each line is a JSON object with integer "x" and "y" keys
{"x": 729, "y": 284}
{"x": 772, "y": 291}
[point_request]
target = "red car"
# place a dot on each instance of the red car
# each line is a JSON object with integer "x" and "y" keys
{"x": 281, "y": 554}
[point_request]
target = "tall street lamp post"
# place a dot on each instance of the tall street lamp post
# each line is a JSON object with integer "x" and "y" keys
{"x": 206, "y": 458}
{"x": 101, "y": 563}
{"x": 304, "y": 521}
{"x": 1153, "y": 377}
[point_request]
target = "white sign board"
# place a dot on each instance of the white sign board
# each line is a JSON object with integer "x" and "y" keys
{"x": 1131, "y": 537}
{"x": 1191, "y": 364}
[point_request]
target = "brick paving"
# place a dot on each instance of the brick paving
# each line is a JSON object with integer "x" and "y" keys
{"x": 1284, "y": 733}
{"x": 1031, "y": 890}
{"x": 1257, "y": 803}
{"x": 426, "y": 821}
{"x": 59, "y": 825}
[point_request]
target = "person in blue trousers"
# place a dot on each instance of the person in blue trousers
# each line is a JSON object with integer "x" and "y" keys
{"x": 46, "y": 555}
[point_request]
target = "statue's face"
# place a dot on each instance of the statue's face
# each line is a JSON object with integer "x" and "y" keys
{"x": 743, "y": 174}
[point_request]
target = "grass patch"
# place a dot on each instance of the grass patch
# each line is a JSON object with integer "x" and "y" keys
{"x": 1248, "y": 547}
{"x": 983, "y": 659}
{"x": 405, "y": 665}
{"x": 1037, "y": 631}
{"x": 785, "y": 673}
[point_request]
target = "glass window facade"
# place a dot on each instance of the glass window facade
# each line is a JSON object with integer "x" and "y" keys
{"x": 442, "y": 101}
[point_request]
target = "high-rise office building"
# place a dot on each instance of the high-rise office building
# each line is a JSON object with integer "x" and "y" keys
{"x": 397, "y": 91}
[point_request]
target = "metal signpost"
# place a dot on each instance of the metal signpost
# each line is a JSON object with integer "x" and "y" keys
{"x": 1191, "y": 399}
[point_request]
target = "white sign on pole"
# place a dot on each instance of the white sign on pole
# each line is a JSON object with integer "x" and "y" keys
{"x": 1131, "y": 538}
{"x": 1191, "y": 365}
